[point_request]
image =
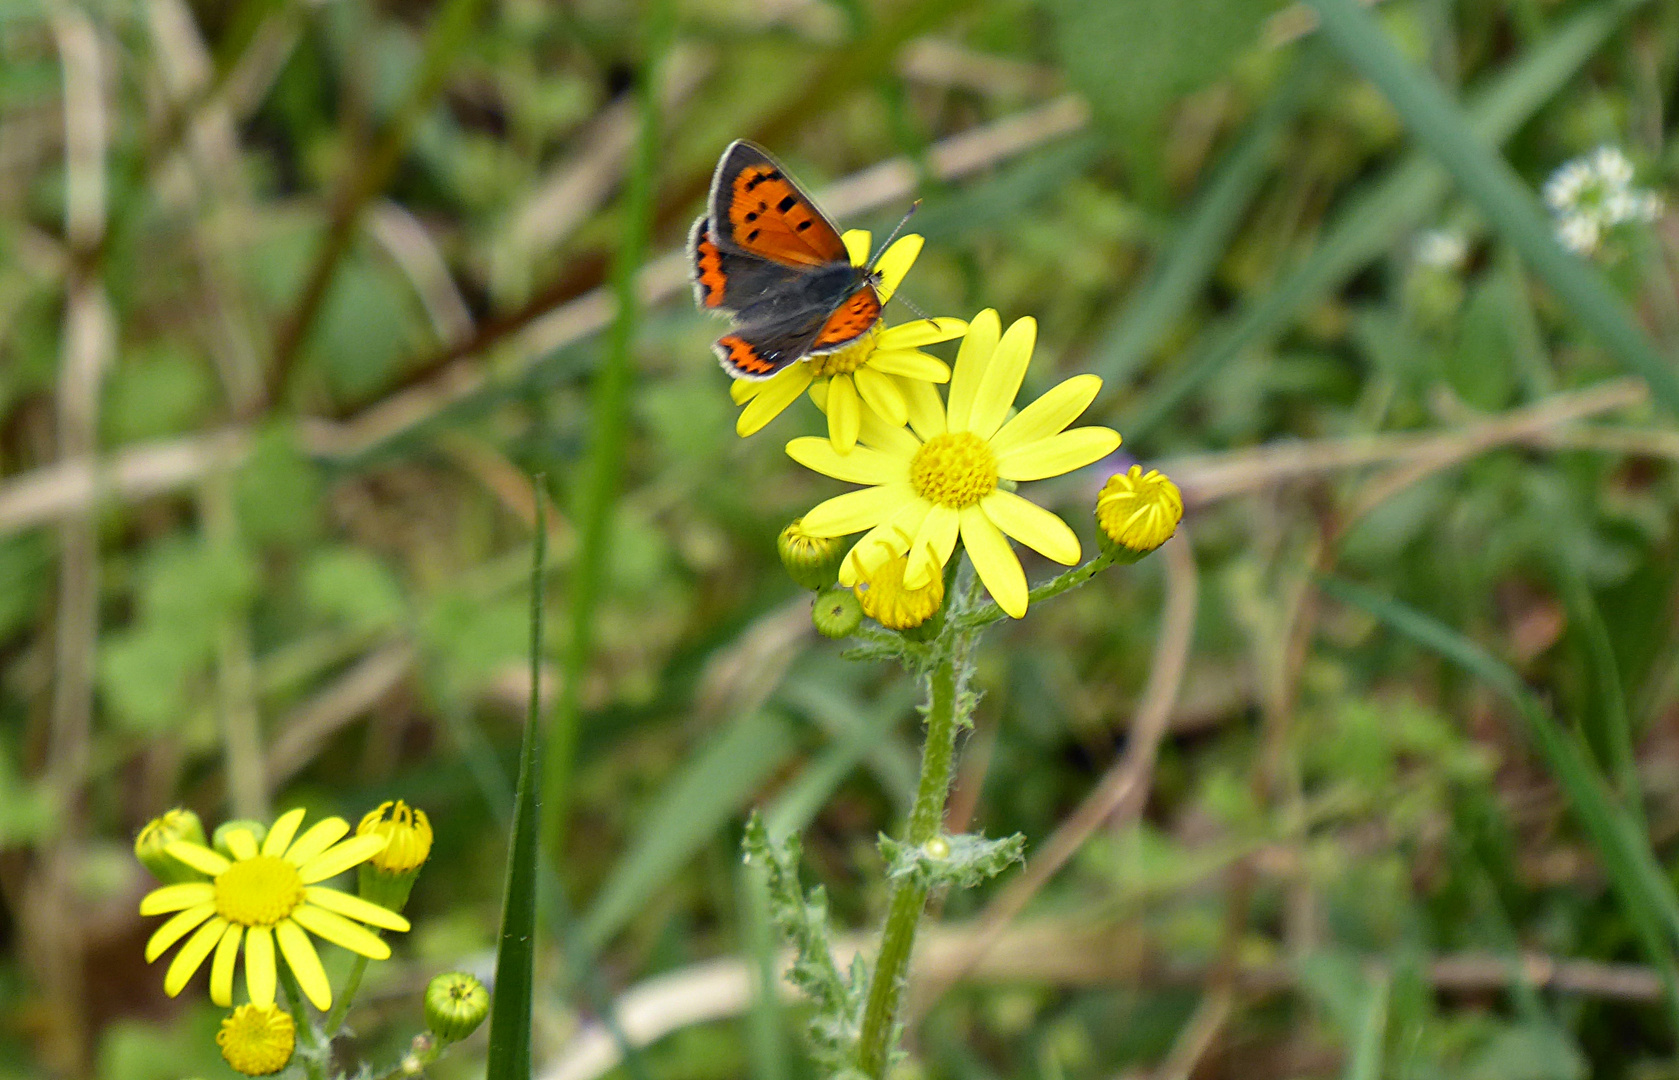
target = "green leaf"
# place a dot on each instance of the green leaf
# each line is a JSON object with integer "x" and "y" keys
{"x": 277, "y": 491}
{"x": 1133, "y": 58}
{"x": 145, "y": 675}
{"x": 510, "y": 1004}
{"x": 24, "y": 564}
{"x": 353, "y": 587}
{"x": 693, "y": 806}
{"x": 156, "y": 392}
{"x": 961, "y": 861}
{"x": 1483, "y": 371}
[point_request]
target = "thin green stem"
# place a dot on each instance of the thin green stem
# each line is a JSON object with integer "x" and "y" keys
{"x": 341, "y": 1005}
{"x": 946, "y": 708}
{"x": 300, "y": 1017}
{"x": 1055, "y": 586}
{"x": 609, "y": 415}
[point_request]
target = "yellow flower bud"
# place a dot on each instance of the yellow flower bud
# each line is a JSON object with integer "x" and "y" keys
{"x": 159, "y": 833}
{"x": 1138, "y": 512}
{"x": 388, "y": 877}
{"x": 812, "y": 561}
{"x": 887, "y": 602}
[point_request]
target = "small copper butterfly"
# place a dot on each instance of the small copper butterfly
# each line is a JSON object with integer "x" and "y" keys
{"x": 765, "y": 255}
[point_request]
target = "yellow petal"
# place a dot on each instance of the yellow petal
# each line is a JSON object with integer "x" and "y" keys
{"x": 888, "y": 438}
{"x": 176, "y": 929}
{"x": 192, "y": 955}
{"x": 1058, "y": 454}
{"x": 971, "y": 361}
{"x": 857, "y": 510}
{"x": 743, "y": 390}
{"x": 316, "y": 839}
{"x": 1002, "y": 379}
{"x": 779, "y": 391}
{"x": 921, "y": 332}
{"x": 861, "y": 466}
{"x": 1048, "y": 415}
{"x": 177, "y": 897}
{"x": 198, "y": 857}
{"x": 341, "y": 931}
{"x": 845, "y": 413}
{"x": 338, "y": 859}
{"x": 926, "y": 408}
{"x": 355, "y": 907}
{"x": 895, "y": 263}
{"x": 305, "y": 963}
{"x": 221, "y": 968}
{"x": 881, "y": 394}
{"x": 994, "y": 561}
{"x": 279, "y": 837}
{"x": 856, "y": 243}
{"x": 259, "y": 965}
{"x": 909, "y": 363}
{"x": 887, "y": 540}
{"x": 241, "y": 843}
{"x": 934, "y": 542}
{"x": 1032, "y": 525}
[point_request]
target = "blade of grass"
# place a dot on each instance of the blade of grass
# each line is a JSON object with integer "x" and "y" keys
{"x": 1489, "y": 181}
{"x": 609, "y": 416}
{"x": 1646, "y": 896}
{"x": 766, "y": 1046}
{"x": 1179, "y": 276}
{"x": 510, "y": 1006}
{"x": 1613, "y": 727}
{"x": 1365, "y": 1061}
{"x": 798, "y": 803}
{"x": 1368, "y": 225}
{"x": 700, "y": 800}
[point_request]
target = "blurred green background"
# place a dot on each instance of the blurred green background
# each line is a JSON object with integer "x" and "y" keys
{"x": 295, "y": 295}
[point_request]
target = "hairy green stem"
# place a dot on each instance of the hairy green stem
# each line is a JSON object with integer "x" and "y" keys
{"x": 1055, "y": 586}
{"x": 946, "y": 709}
{"x": 300, "y": 1017}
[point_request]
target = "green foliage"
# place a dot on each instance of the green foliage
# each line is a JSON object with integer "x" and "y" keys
{"x": 802, "y": 919}
{"x": 961, "y": 861}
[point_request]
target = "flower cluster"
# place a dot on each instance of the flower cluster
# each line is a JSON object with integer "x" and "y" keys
{"x": 936, "y": 468}
{"x": 1592, "y": 195}
{"x": 260, "y": 889}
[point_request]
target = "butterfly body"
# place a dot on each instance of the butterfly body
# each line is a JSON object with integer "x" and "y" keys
{"x": 766, "y": 256}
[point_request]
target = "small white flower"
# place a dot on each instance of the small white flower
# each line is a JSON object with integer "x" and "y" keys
{"x": 1441, "y": 249}
{"x": 1579, "y": 233}
{"x": 1593, "y": 194}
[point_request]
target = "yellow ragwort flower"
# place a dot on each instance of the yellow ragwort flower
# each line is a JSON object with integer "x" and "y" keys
{"x": 263, "y": 897}
{"x": 257, "y": 1039}
{"x": 1139, "y": 512}
{"x": 873, "y": 371}
{"x": 885, "y": 599}
{"x": 941, "y": 481}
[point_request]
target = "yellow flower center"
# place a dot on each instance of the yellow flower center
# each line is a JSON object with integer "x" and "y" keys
{"x": 259, "y": 891}
{"x": 954, "y": 470}
{"x": 845, "y": 361}
{"x": 257, "y": 1039}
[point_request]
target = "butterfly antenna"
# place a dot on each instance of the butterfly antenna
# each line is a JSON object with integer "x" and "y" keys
{"x": 907, "y": 302}
{"x": 893, "y": 235}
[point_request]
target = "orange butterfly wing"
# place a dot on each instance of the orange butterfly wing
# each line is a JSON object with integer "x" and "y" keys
{"x": 850, "y": 322}
{"x": 710, "y": 282}
{"x": 758, "y": 208}
{"x": 743, "y": 359}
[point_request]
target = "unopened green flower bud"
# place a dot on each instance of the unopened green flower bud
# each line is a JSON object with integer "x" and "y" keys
{"x": 812, "y": 561}
{"x": 257, "y": 829}
{"x": 456, "y": 1003}
{"x": 1138, "y": 512}
{"x": 159, "y": 833}
{"x": 836, "y": 612}
{"x": 388, "y": 877}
